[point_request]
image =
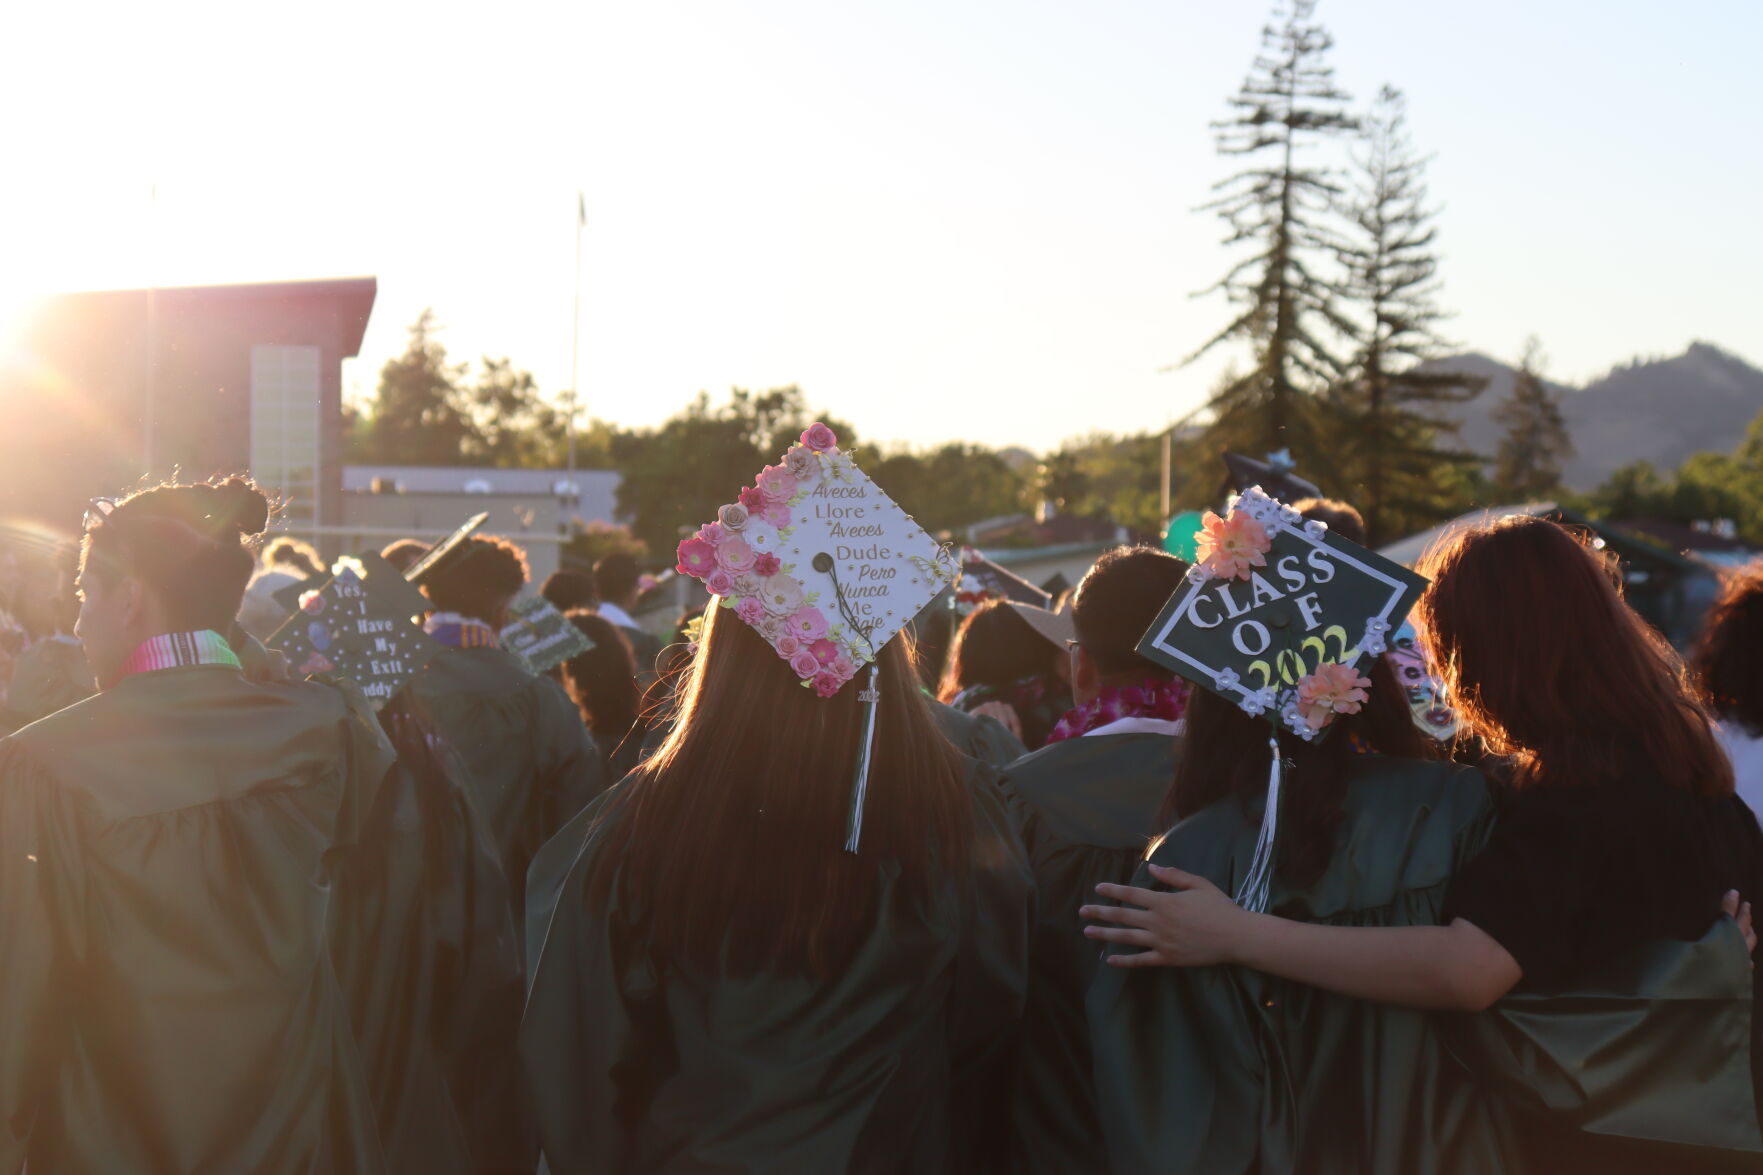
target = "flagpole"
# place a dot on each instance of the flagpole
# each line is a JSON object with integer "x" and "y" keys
{"x": 575, "y": 345}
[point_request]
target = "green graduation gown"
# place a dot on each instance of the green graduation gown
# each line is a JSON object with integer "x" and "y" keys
{"x": 977, "y": 737}
{"x": 425, "y": 944}
{"x": 49, "y": 676}
{"x": 1085, "y": 808}
{"x": 168, "y": 1002}
{"x": 1219, "y": 1069}
{"x": 637, "y": 1066}
{"x": 533, "y": 764}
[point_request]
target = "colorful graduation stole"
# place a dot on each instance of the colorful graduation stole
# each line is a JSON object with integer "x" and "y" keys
{"x": 461, "y": 632}
{"x": 176, "y": 649}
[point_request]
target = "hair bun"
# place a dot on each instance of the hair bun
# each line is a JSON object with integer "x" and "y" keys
{"x": 240, "y": 504}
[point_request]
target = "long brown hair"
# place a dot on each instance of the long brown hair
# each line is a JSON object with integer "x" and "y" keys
{"x": 731, "y": 839}
{"x": 1728, "y": 667}
{"x": 1546, "y": 663}
{"x": 1225, "y": 753}
{"x": 995, "y": 647}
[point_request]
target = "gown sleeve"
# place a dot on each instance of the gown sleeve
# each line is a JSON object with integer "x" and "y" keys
{"x": 595, "y": 1040}
{"x": 991, "y": 980}
{"x": 41, "y": 875}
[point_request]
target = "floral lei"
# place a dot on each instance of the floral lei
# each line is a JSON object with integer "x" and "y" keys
{"x": 1164, "y": 698}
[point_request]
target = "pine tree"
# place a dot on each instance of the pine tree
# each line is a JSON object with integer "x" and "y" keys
{"x": 1535, "y": 445}
{"x": 1278, "y": 204}
{"x": 1390, "y": 436}
{"x": 416, "y": 417}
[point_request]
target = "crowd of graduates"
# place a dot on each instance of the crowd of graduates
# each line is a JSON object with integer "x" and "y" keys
{"x": 617, "y": 916}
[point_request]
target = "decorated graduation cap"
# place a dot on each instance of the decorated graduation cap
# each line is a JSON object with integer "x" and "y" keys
{"x": 982, "y": 580}
{"x": 1279, "y": 616}
{"x": 542, "y": 636}
{"x": 445, "y": 550}
{"x": 359, "y": 623}
{"x": 817, "y": 559}
{"x": 1278, "y": 476}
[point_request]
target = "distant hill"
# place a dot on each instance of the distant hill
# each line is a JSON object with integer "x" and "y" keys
{"x": 1659, "y": 410}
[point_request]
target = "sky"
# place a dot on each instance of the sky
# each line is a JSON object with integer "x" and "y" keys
{"x": 943, "y": 219}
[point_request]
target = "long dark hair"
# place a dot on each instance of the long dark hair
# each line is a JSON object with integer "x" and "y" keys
{"x": 603, "y": 680}
{"x": 1728, "y": 661}
{"x": 1225, "y": 753}
{"x": 756, "y": 777}
{"x": 994, "y": 647}
{"x": 189, "y": 544}
{"x": 1546, "y": 663}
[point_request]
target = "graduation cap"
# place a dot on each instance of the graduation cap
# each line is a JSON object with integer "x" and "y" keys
{"x": 360, "y": 625}
{"x": 982, "y": 579}
{"x": 444, "y": 550}
{"x": 542, "y": 636}
{"x": 1276, "y": 476}
{"x": 1278, "y": 616}
{"x": 824, "y": 565}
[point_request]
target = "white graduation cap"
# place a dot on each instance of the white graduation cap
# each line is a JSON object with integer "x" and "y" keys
{"x": 823, "y": 564}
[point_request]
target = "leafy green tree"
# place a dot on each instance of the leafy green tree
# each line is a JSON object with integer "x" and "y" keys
{"x": 513, "y": 426}
{"x": 415, "y": 417}
{"x": 950, "y": 487}
{"x": 590, "y": 542}
{"x": 1535, "y": 444}
{"x": 1390, "y": 439}
{"x": 1634, "y": 491}
{"x": 1278, "y": 206}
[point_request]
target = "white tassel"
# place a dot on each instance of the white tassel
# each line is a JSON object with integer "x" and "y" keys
{"x": 860, "y": 788}
{"x": 1252, "y": 894}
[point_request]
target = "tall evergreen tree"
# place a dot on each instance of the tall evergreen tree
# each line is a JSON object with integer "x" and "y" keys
{"x": 1390, "y": 438}
{"x": 415, "y": 418}
{"x": 1278, "y": 205}
{"x": 1535, "y": 445}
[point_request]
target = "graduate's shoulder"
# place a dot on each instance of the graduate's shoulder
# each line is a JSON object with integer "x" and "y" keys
{"x": 1099, "y": 790}
{"x": 1450, "y": 792}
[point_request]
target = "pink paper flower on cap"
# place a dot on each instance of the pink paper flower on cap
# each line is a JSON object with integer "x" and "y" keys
{"x": 777, "y": 483}
{"x": 827, "y": 684}
{"x": 778, "y": 514}
{"x": 808, "y": 624}
{"x": 732, "y": 517}
{"x": 803, "y": 464}
{"x": 1231, "y": 546}
{"x": 750, "y": 610}
{"x": 753, "y": 499}
{"x": 766, "y": 564}
{"x": 697, "y": 558}
{"x": 1332, "y": 689}
{"x": 787, "y": 644}
{"x": 820, "y": 438}
{"x": 719, "y": 583}
{"x": 782, "y": 595}
{"x": 825, "y": 651}
{"x": 804, "y": 664}
{"x": 712, "y": 533}
{"x": 734, "y": 555}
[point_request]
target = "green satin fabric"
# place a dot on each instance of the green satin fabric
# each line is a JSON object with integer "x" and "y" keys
{"x": 1644, "y": 1065}
{"x": 169, "y": 1002}
{"x": 984, "y": 739}
{"x": 1217, "y": 1069}
{"x": 897, "y": 1064}
{"x": 1084, "y": 809}
{"x": 533, "y": 764}
{"x": 425, "y": 945}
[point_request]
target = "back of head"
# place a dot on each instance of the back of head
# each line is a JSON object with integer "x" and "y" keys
{"x": 1117, "y": 600}
{"x": 1546, "y": 663}
{"x": 568, "y": 589}
{"x": 615, "y": 578}
{"x": 479, "y": 580}
{"x": 1729, "y": 656}
{"x": 405, "y": 553}
{"x": 1339, "y": 517}
{"x": 189, "y": 545}
{"x": 603, "y": 680}
{"x": 995, "y": 647}
{"x": 757, "y": 774}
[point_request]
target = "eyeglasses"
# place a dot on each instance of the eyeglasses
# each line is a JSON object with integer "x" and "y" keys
{"x": 97, "y": 510}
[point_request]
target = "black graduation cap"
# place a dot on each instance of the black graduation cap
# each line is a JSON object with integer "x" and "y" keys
{"x": 444, "y": 550}
{"x": 983, "y": 579}
{"x": 362, "y": 627}
{"x": 1276, "y": 476}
